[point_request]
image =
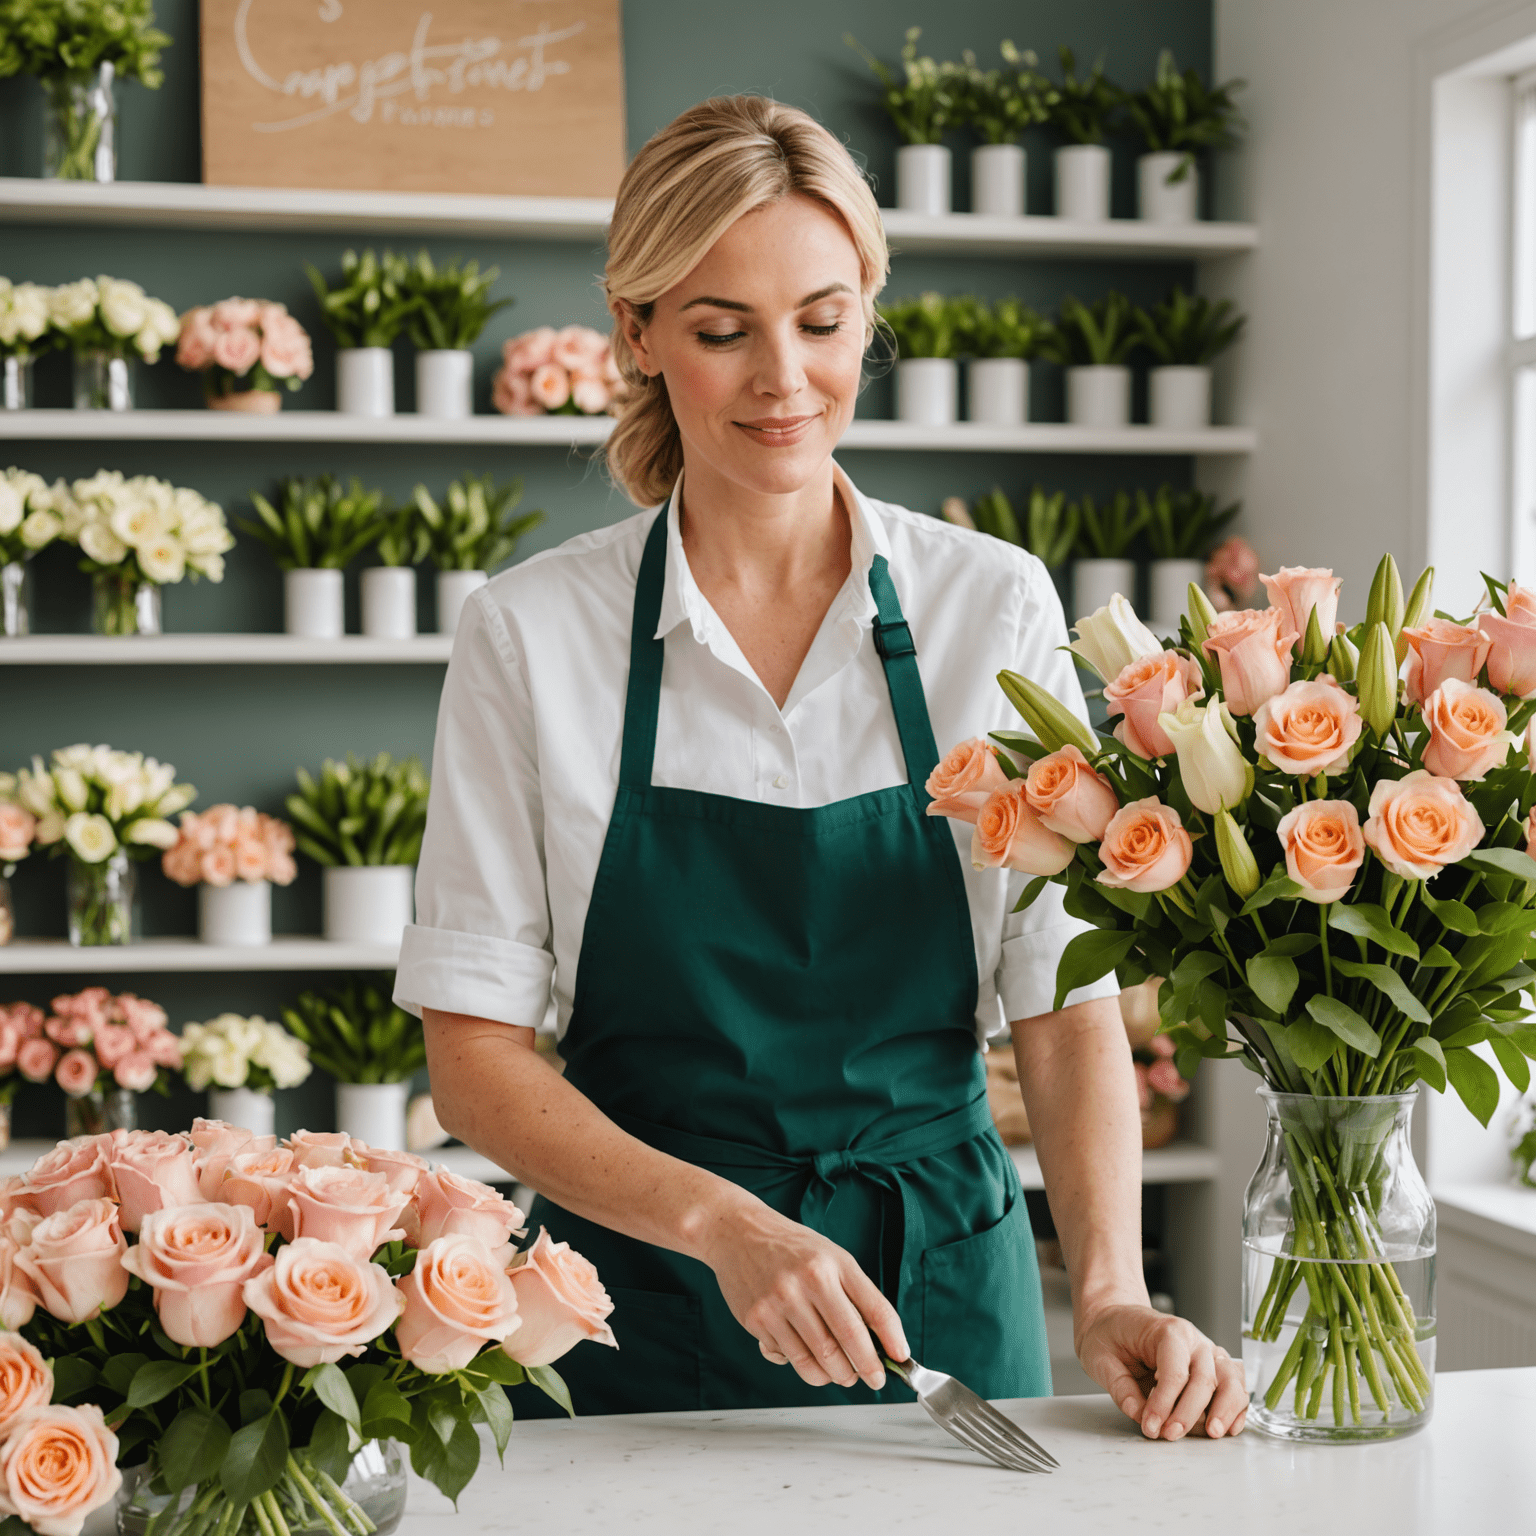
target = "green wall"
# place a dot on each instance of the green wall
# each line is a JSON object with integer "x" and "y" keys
{"x": 238, "y": 732}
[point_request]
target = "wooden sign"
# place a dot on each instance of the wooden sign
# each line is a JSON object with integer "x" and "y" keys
{"x": 496, "y": 96}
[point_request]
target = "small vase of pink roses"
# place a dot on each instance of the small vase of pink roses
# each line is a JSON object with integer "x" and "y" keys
{"x": 247, "y": 350}
{"x": 234, "y": 855}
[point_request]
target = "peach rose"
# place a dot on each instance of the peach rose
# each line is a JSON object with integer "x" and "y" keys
{"x": 1145, "y": 689}
{"x": 285, "y": 348}
{"x": 112, "y": 1043}
{"x": 1420, "y": 823}
{"x": 136, "y": 1072}
{"x": 455, "y": 1207}
{"x": 58, "y": 1465}
{"x": 238, "y": 350}
{"x": 1512, "y": 643}
{"x": 235, "y": 314}
{"x": 25, "y": 1380}
{"x": 319, "y": 1304}
{"x": 964, "y": 779}
{"x": 576, "y": 347}
{"x": 522, "y": 354}
{"x": 197, "y": 1259}
{"x": 1295, "y": 590}
{"x": 74, "y": 1170}
{"x": 550, "y": 386}
{"x": 76, "y": 1073}
{"x": 35, "y": 1059}
{"x": 216, "y": 865}
{"x": 589, "y": 394}
{"x": 73, "y": 1261}
{"x": 194, "y": 345}
{"x": 1467, "y": 739}
{"x": 404, "y": 1170}
{"x": 350, "y": 1207}
{"x": 1438, "y": 649}
{"x": 1145, "y": 847}
{"x": 560, "y": 1302}
{"x": 1310, "y": 728}
{"x": 1253, "y": 649}
{"x": 260, "y": 1180}
{"x": 17, "y": 829}
{"x": 456, "y": 1299}
{"x": 325, "y": 1149}
{"x": 1069, "y": 797}
{"x": 214, "y": 1144}
{"x": 153, "y": 1171}
{"x": 1008, "y": 834}
{"x": 511, "y": 395}
{"x": 1324, "y": 847}
{"x": 17, "y": 1300}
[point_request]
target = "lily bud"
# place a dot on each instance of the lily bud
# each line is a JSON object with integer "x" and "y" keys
{"x": 1419, "y": 607}
{"x": 1237, "y": 861}
{"x": 1110, "y": 638}
{"x": 1314, "y": 649}
{"x": 1377, "y": 679}
{"x": 1385, "y": 604}
{"x": 1054, "y": 725}
{"x": 1216, "y": 775}
{"x": 1201, "y": 614}
{"x": 1343, "y": 659}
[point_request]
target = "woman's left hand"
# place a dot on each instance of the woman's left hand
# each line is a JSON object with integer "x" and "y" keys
{"x": 1164, "y": 1373}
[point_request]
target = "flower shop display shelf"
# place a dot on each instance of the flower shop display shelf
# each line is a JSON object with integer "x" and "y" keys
{"x": 976, "y": 234}
{"x": 57, "y": 957}
{"x": 1180, "y": 1162}
{"x": 219, "y": 650}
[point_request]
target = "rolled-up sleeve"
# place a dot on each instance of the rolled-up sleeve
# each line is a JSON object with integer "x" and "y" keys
{"x": 481, "y": 940}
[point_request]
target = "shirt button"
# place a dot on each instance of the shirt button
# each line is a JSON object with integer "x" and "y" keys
{"x": 782, "y": 782}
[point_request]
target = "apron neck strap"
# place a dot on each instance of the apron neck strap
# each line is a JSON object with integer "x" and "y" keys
{"x": 898, "y": 654}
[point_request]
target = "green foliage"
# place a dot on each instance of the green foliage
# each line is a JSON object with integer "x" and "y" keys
{"x": 1107, "y": 532}
{"x": 1004, "y": 329}
{"x": 923, "y": 326}
{"x": 1001, "y": 103}
{"x": 1091, "y": 334}
{"x": 1049, "y": 530}
{"x": 406, "y": 539}
{"x": 1180, "y": 112}
{"x": 1182, "y": 525}
{"x": 71, "y": 39}
{"x": 317, "y": 524}
{"x": 361, "y": 813}
{"x": 358, "y": 1034}
{"x": 926, "y": 100}
{"x": 450, "y": 305}
{"x": 475, "y": 529}
{"x": 1085, "y": 105}
{"x": 1188, "y": 330}
{"x": 372, "y": 303}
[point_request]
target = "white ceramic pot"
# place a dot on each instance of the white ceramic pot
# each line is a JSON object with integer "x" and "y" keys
{"x": 1179, "y": 398}
{"x": 445, "y": 384}
{"x": 1082, "y": 183}
{"x": 365, "y": 381}
{"x": 997, "y": 389}
{"x": 453, "y": 590}
{"x": 245, "y": 1107}
{"x": 927, "y": 391}
{"x": 314, "y": 604}
{"x": 389, "y": 602}
{"x": 373, "y": 1112}
{"x": 1099, "y": 395}
{"x": 239, "y": 913}
{"x": 368, "y": 903}
{"x": 1160, "y": 201}
{"x": 1094, "y": 582}
{"x": 997, "y": 180}
{"x": 922, "y": 178}
{"x": 1170, "y": 591}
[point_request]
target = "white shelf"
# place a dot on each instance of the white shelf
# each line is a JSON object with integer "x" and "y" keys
{"x": 1047, "y": 437}
{"x": 35, "y": 957}
{"x": 1180, "y": 1162}
{"x": 217, "y": 650}
{"x": 975, "y": 234}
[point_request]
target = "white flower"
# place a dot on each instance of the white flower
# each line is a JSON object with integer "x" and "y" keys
{"x": 162, "y": 561}
{"x": 116, "y": 767}
{"x": 34, "y": 789}
{"x": 204, "y": 532}
{"x": 230, "y": 1066}
{"x": 176, "y": 799}
{"x": 124, "y": 798}
{"x": 41, "y": 528}
{"x": 70, "y": 786}
{"x": 124, "y": 305}
{"x": 211, "y": 566}
{"x": 90, "y": 837}
{"x": 50, "y": 828}
{"x": 1112, "y": 637}
{"x": 1216, "y": 775}
{"x": 158, "y": 778}
{"x": 138, "y": 522}
{"x": 153, "y": 832}
{"x": 100, "y": 544}
{"x": 27, "y": 316}
{"x": 13, "y": 506}
{"x": 72, "y": 305}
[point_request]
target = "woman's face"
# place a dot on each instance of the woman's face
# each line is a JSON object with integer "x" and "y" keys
{"x": 761, "y": 347}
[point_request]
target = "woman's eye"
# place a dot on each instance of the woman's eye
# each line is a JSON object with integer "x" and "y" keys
{"x": 825, "y": 330}
{"x": 717, "y": 339}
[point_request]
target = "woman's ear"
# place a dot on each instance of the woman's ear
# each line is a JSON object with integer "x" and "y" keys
{"x": 633, "y": 332}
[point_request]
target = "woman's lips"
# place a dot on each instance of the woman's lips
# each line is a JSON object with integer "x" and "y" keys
{"x": 778, "y": 431}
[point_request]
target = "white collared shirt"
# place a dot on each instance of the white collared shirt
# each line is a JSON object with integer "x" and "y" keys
{"x": 526, "y": 763}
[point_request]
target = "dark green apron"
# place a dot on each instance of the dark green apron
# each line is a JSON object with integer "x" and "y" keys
{"x": 787, "y": 997}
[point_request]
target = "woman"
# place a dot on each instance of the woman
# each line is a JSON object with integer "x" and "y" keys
{"x": 679, "y": 779}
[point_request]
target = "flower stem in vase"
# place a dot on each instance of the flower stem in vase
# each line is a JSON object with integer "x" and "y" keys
{"x": 100, "y": 900}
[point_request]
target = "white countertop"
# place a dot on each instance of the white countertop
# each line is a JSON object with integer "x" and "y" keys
{"x": 809, "y": 1470}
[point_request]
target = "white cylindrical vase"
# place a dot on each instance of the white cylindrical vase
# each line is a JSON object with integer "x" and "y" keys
{"x": 445, "y": 384}
{"x": 245, "y": 1107}
{"x": 453, "y": 591}
{"x": 997, "y": 389}
{"x": 373, "y": 1113}
{"x": 365, "y": 381}
{"x": 1094, "y": 582}
{"x": 1160, "y": 201}
{"x": 927, "y": 391}
{"x": 1170, "y": 591}
{"x": 367, "y": 903}
{"x": 314, "y": 604}
{"x": 389, "y": 602}
{"x": 1099, "y": 395}
{"x": 1082, "y": 183}
{"x": 1179, "y": 398}
{"x": 997, "y": 180}
{"x": 239, "y": 913}
{"x": 922, "y": 178}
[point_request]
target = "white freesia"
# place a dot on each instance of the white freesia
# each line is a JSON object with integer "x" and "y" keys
{"x": 123, "y": 305}
{"x": 1112, "y": 637}
{"x": 69, "y": 785}
{"x": 40, "y": 529}
{"x": 224, "y": 1050}
{"x": 34, "y": 789}
{"x": 98, "y": 799}
{"x": 124, "y": 797}
{"x": 72, "y": 305}
{"x": 162, "y": 560}
{"x": 156, "y": 530}
{"x": 1216, "y": 775}
{"x": 90, "y": 837}
{"x": 152, "y": 832}
{"x": 50, "y": 828}
{"x": 99, "y": 543}
{"x": 177, "y": 799}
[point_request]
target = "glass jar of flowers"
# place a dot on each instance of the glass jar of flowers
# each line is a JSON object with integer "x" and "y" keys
{"x": 109, "y": 321}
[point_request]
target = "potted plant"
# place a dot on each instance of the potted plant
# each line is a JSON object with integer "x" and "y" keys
{"x": 372, "y": 1048}
{"x": 1092, "y": 341}
{"x": 234, "y": 855}
{"x": 922, "y": 105}
{"x": 78, "y": 50}
{"x": 365, "y": 314}
{"x": 253, "y": 342}
{"x": 30, "y": 520}
{"x": 108, "y": 321}
{"x": 927, "y": 376}
{"x": 389, "y": 588}
{"x": 449, "y": 307}
{"x": 998, "y": 105}
{"x": 1104, "y": 538}
{"x": 1185, "y": 332}
{"x": 314, "y": 533}
{"x": 362, "y": 823}
{"x": 471, "y": 533}
{"x": 25, "y": 332}
{"x": 1181, "y": 528}
{"x": 1177, "y": 115}
{"x": 240, "y": 1061}
{"x": 569, "y": 372}
{"x": 997, "y": 339}
{"x": 1083, "y": 108}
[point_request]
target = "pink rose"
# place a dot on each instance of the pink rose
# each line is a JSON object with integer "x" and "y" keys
{"x": 1438, "y": 649}
{"x": 560, "y": 1301}
{"x": 1324, "y": 848}
{"x": 238, "y": 351}
{"x": 18, "y": 1301}
{"x": 10, "y": 1043}
{"x": 1467, "y": 738}
{"x": 1163, "y": 1077}
{"x": 140, "y": 1015}
{"x": 575, "y": 347}
{"x": 285, "y": 348}
{"x": 550, "y": 386}
{"x": 73, "y": 1262}
{"x": 590, "y": 394}
{"x": 25, "y": 1380}
{"x": 451, "y": 1206}
{"x": 198, "y": 1258}
{"x": 966, "y": 777}
{"x": 214, "y": 1144}
{"x": 320, "y": 1304}
{"x": 1311, "y": 728}
{"x": 76, "y": 1073}
{"x": 1418, "y": 824}
{"x": 217, "y": 866}
{"x": 1296, "y": 590}
{"x": 164, "y": 1049}
{"x": 1233, "y": 567}
{"x": 1151, "y": 686}
{"x": 251, "y": 859}
{"x": 35, "y": 1059}
{"x": 404, "y": 1170}
{"x": 455, "y": 1300}
{"x": 58, "y": 1465}
{"x": 350, "y": 1207}
{"x": 511, "y": 395}
{"x": 28, "y": 1019}
{"x": 75, "y": 1170}
{"x": 1008, "y": 834}
{"x": 1069, "y": 797}
{"x": 522, "y": 354}
{"x": 260, "y": 1180}
{"x": 1254, "y": 653}
{"x": 194, "y": 346}
{"x": 235, "y": 314}
{"x": 153, "y": 1171}
{"x": 17, "y": 829}
{"x": 1145, "y": 847}
{"x": 69, "y": 1030}
{"x": 1511, "y": 643}
{"x": 136, "y": 1072}
{"x": 325, "y": 1149}
{"x": 183, "y": 862}
{"x": 112, "y": 1043}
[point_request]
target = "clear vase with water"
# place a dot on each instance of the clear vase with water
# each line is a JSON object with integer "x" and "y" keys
{"x": 103, "y": 380}
{"x": 122, "y": 604}
{"x": 80, "y": 130}
{"x": 100, "y": 898}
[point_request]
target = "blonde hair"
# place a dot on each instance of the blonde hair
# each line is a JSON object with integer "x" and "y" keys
{"x": 723, "y": 158}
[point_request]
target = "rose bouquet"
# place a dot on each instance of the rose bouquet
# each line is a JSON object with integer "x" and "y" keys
{"x": 31, "y": 514}
{"x": 227, "y": 843}
{"x": 569, "y": 372}
{"x": 112, "y": 315}
{"x": 232, "y": 1051}
{"x": 212, "y": 1346}
{"x": 24, "y": 329}
{"x": 1329, "y": 864}
{"x": 251, "y": 340}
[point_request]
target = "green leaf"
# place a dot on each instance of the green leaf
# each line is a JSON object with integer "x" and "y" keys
{"x": 1274, "y": 979}
{"x": 119, "y": 1371}
{"x": 1279, "y": 887}
{"x": 1089, "y": 956}
{"x": 1211, "y": 1007}
{"x": 1456, "y": 915}
{"x": 552, "y": 1385}
{"x": 498, "y": 1414}
{"x": 1031, "y": 891}
{"x": 1431, "y": 1062}
{"x": 460, "y": 1458}
{"x": 1475, "y": 1081}
{"x": 193, "y": 1448}
{"x": 256, "y": 1457}
{"x": 1365, "y": 920}
{"x": 1385, "y": 979}
{"x": 1516, "y": 1068}
{"x": 330, "y": 1444}
{"x": 496, "y": 1364}
{"x": 1311, "y": 1045}
{"x": 1345, "y": 1023}
{"x": 157, "y": 1379}
{"x": 1502, "y": 861}
{"x": 72, "y": 1376}
{"x": 1292, "y": 944}
{"x": 255, "y": 1403}
{"x": 332, "y": 1388}
{"x": 385, "y": 1402}
{"x": 1194, "y": 968}
{"x": 1437, "y": 958}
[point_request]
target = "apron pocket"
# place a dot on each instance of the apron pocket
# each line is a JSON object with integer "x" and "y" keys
{"x": 660, "y": 1343}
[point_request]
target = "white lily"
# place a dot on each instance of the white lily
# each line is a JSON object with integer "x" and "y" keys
{"x": 153, "y": 832}
{"x": 1216, "y": 775}
{"x": 90, "y": 838}
{"x": 1112, "y": 637}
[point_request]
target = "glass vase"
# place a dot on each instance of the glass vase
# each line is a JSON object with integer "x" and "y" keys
{"x": 15, "y": 599}
{"x": 1338, "y": 1272}
{"x": 7, "y": 906}
{"x": 121, "y": 604}
{"x": 80, "y": 134}
{"x": 103, "y": 380}
{"x": 101, "y": 1110}
{"x": 100, "y": 900}
{"x": 16, "y": 381}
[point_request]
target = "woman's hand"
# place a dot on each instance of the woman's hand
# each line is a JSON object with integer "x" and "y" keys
{"x": 1164, "y": 1373}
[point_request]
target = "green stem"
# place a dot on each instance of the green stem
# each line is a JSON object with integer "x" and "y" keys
{"x": 348, "y": 1506}
{"x": 1322, "y": 931}
{"x": 315, "y": 1497}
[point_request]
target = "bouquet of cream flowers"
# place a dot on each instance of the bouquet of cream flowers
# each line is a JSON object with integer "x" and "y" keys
{"x": 232, "y": 1051}
{"x": 31, "y": 514}
{"x": 112, "y": 315}
{"x": 144, "y": 529}
{"x": 24, "y": 318}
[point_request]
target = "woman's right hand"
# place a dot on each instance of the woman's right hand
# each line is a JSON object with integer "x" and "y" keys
{"x": 804, "y": 1299}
